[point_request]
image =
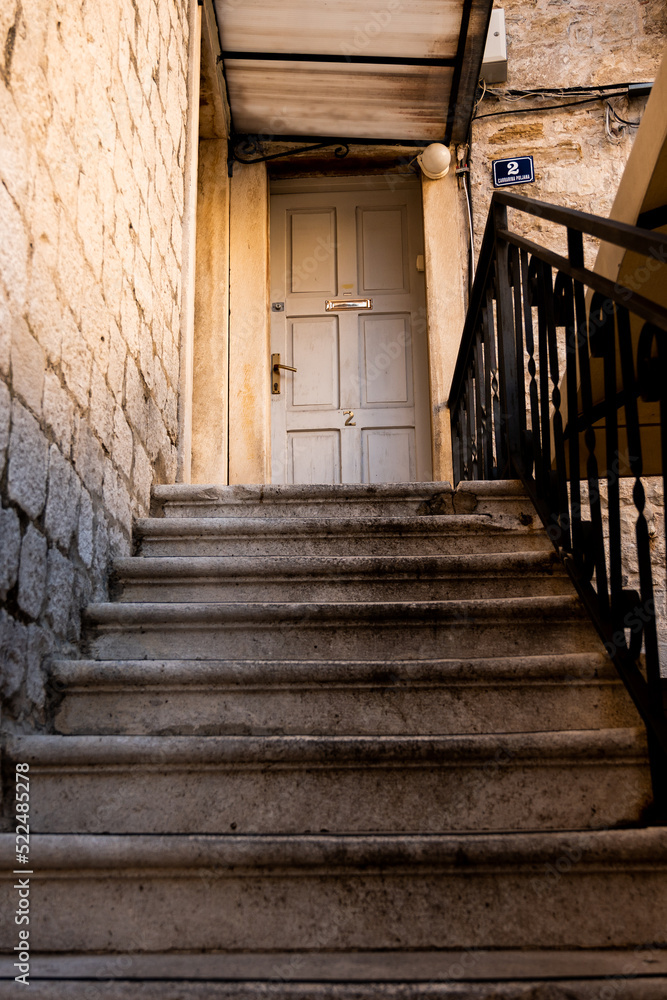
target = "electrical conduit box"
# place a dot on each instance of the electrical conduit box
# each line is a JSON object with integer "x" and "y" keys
{"x": 494, "y": 63}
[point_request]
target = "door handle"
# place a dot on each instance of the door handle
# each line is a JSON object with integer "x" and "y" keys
{"x": 275, "y": 373}
{"x": 350, "y": 422}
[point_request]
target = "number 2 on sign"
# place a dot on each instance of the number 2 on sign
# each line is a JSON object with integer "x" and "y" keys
{"x": 512, "y": 168}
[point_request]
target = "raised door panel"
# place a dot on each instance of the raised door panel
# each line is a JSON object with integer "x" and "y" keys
{"x": 315, "y": 354}
{"x": 382, "y": 238}
{"x": 312, "y": 252}
{"x": 313, "y": 456}
{"x": 386, "y": 361}
{"x": 388, "y": 455}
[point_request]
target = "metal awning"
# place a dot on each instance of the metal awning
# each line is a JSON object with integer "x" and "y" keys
{"x": 391, "y": 70}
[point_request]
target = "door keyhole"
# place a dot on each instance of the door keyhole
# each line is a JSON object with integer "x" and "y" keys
{"x": 350, "y": 422}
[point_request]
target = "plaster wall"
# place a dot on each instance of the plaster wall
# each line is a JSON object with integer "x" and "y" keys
{"x": 445, "y": 246}
{"x": 210, "y": 404}
{"x": 249, "y": 358}
{"x": 93, "y": 104}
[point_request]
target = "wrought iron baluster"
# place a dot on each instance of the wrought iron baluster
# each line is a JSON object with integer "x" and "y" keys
{"x": 635, "y": 460}
{"x": 480, "y": 404}
{"x": 472, "y": 421}
{"x": 457, "y": 437}
{"x": 509, "y": 389}
{"x": 530, "y": 349}
{"x": 492, "y": 362}
{"x": 592, "y": 542}
{"x": 564, "y": 299}
{"x": 560, "y": 506}
{"x": 515, "y": 281}
{"x": 603, "y": 344}
{"x": 488, "y": 404}
{"x": 546, "y": 490}
{"x": 466, "y": 434}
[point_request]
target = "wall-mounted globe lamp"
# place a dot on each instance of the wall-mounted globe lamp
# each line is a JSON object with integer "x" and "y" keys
{"x": 434, "y": 161}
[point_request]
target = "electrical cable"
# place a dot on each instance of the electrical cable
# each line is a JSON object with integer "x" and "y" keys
{"x": 521, "y": 95}
{"x": 613, "y": 135}
{"x": 472, "y": 238}
{"x": 550, "y": 107}
{"x": 477, "y": 103}
{"x": 614, "y": 130}
{"x": 462, "y": 170}
{"x": 568, "y": 90}
{"x": 622, "y": 120}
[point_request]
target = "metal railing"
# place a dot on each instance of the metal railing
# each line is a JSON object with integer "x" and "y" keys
{"x": 561, "y": 381}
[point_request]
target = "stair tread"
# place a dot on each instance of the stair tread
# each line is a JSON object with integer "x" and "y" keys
{"x": 641, "y": 987}
{"x": 267, "y": 491}
{"x": 387, "y": 566}
{"x": 575, "y": 667}
{"x": 562, "y": 607}
{"x": 581, "y": 988}
{"x": 580, "y": 691}
{"x": 589, "y": 746}
{"x": 294, "y": 491}
{"x": 367, "y": 966}
{"x": 482, "y": 523}
{"x": 458, "y": 852}
{"x": 184, "y": 499}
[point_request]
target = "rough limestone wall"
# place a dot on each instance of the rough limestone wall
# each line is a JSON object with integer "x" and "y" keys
{"x": 571, "y": 43}
{"x": 566, "y": 43}
{"x": 92, "y": 134}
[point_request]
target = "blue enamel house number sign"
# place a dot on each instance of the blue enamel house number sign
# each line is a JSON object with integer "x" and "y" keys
{"x": 515, "y": 170}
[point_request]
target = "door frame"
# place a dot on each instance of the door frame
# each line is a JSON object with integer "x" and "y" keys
{"x": 446, "y": 251}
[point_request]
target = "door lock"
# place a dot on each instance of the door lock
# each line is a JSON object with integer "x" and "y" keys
{"x": 275, "y": 373}
{"x": 350, "y": 422}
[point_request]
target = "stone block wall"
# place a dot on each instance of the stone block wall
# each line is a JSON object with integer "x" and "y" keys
{"x": 566, "y": 43}
{"x": 92, "y": 137}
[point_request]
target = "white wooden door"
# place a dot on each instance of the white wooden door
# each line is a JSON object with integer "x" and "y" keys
{"x": 357, "y": 408}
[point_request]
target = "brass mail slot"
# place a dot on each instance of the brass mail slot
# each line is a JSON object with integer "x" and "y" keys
{"x": 332, "y": 305}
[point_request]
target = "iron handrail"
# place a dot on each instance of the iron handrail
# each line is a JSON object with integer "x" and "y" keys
{"x": 552, "y": 353}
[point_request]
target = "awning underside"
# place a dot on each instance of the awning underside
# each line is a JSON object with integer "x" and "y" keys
{"x": 394, "y": 69}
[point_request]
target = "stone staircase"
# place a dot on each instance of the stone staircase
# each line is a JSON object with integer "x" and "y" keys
{"x": 340, "y": 743}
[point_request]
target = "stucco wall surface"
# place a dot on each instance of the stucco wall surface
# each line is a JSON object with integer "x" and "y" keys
{"x": 92, "y": 116}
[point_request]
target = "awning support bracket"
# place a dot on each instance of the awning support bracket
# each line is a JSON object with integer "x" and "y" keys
{"x": 252, "y": 144}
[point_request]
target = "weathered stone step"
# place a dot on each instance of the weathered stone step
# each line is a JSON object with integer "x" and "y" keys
{"x": 336, "y": 578}
{"x": 561, "y": 989}
{"x": 469, "y": 974}
{"x": 334, "y": 784}
{"x": 183, "y": 989}
{"x": 345, "y": 500}
{"x": 421, "y": 630}
{"x": 93, "y": 893}
{"x": 420, "y": 697}
{"x": 456, "y": 534}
